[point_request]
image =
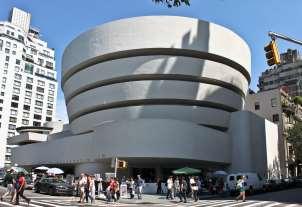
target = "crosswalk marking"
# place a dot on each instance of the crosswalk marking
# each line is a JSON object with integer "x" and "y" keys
{"x": 68, "y": 202}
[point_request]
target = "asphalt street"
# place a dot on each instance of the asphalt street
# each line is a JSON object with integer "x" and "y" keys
{"x": 286, "y": 198}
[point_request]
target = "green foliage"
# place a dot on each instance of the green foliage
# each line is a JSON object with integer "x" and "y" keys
{"x": 295, "y": 138}
{"x": 298, "y": 100}
{"x": 173, "y": 3}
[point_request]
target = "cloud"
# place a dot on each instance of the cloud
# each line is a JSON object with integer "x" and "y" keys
{"x": 61, "y": 113}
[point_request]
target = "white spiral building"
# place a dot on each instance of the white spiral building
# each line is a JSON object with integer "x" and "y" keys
{"x": 158, "y": 91}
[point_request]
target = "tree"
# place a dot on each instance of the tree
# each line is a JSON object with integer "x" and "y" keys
{"x": 294, "y": 137}
{"x": 173, "y": 3}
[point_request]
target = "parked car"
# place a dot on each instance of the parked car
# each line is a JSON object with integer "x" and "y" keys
{"x": 254, "y": 182}
{"x": 29, "y": 182}
{"x": 2, "y": 174}
{"x": 53, "y": 186}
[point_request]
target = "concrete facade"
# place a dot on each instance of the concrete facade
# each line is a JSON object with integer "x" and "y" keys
{"x": 157, "y": 91}
{"x": 278, "y": 107}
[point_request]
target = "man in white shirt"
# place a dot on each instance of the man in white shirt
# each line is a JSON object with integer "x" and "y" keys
{"x": 169, "y": 188}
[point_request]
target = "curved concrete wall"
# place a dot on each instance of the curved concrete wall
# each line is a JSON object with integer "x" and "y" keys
{"x": 128, "y": 69}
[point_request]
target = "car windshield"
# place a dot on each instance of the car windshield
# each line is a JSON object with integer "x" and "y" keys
{"x": 56, "y": 181}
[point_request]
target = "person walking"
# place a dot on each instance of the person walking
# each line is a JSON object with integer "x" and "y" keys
{"x": 91, "y": 188}
{"x": 117, "y": 189}
{"x": 176, "y": 186}
{"x": 100, "y": 185}
{"x": 169, "y": 188}
{"x": 159, "y": 188}
{"x": 82, "y": 184}
{"x": 194, "y": 189}
{"x": 183, "y": 187}
{"x": 87, "y": 186}
{"x": 139, "y": 185}
{"x": 131, "y": 184}
{"x": 241, "y": 186}
{"x": 21, "y": 188}
{"x": 9, "y": 180}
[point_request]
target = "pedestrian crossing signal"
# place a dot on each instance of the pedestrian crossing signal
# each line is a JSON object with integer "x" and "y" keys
{"x": 272, "y": 54}
{"x": 122, "y": 164}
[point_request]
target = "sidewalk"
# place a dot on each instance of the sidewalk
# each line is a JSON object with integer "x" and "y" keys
{"x": 156, "y": 199}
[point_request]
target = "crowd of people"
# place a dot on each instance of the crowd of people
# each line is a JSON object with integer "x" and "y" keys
{"x": 16, "y": 184}
{"x": 87, "y": 186}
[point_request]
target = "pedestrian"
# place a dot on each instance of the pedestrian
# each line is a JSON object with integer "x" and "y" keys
{"x": 9, "y": 180}
{"x": 131, "y": 184}
{"x": 139, "y": 186}
{"x": 87, "y": 187}
{"x": 169, "y": 188}
{"x": 241, "y": 186}
{"x": 91, "y": 188}
{"x": 82, "y": 184}
{"x": 117, "y": 189}
{"x": 183, "y": 187}
{"x": 176, "y": 187}
{"x": 159, "y": 188}
{"x": 194, "y": 188}
{"x": 100, "y": 185}
{"x": 21, "y": 188}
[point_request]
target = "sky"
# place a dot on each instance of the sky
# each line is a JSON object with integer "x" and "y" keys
{"x": 60, "y": 21}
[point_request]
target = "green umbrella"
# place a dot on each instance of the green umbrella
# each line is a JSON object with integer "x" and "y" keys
{"x": 186, "y": 171}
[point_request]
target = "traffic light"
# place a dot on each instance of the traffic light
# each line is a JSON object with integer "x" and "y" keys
{"x": 121, "y": 164}
{"x": 272, "y": 54}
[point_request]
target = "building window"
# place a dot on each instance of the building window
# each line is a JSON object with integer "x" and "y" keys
{"x": 35, "y": 123}
{"x": 18, "y": 62}
{"x": 2, "y": 93}
{"x": 50, "y": 99}
{"x": 26, "y": 107}
{"x": 39, "y": 103}
{"x": 1, "y": 101}
{"x": 13, "y": 112}
{"x": 4, "y": 80}
{"x": 8, "y": 44}
{"x": 28, "y": 93}
{"x": 11, "y": 134}
{"x": 15, "y": 45}
{"x": 27, "y": 100}
{"x": 13, "y": 119}
{"x": 25, "y": 114}
{"x": 40, "y": 61}
{"x": 29, "y": 87}
{"x": 25, "y": 122}
{"x": 51, "y": 93}
{"x": 40, "y": 89}
{"x": 37, "y": 116}
{"x": 18, "y": 76}
{"x": 15, "y": 98}
{"x": 49, "y": 105}
{"x": 274, "y": 102}
{"x": 49, "y": 74}
{"x": 52, "y": 86}
{"x": 48, "y": 118}
{"x": 7, "y": 58}
{"x": 11, "y": 127}
{"x": 17, "y": 83}
{"x": 39, "y": 96}
{"x": 17, "y": 69}
{"x": 29, "y": 80}
{"x": 49, "y": 112}
{"x": 14, "y": 105}
{"x": 5, "y": 72}
{"x": 38, "y": 110}
{"x": 16, "y": 90}
{"x": 275, "y": 117}
{"x": 6, "y": 51}
{"x": 14, "y": 52}
{"x": 29, "y": 68}
{"x": 5, "y": 65}
{"x": 3, "y": 86}
{"x": 257, "y": 105}
{"x": 41, "y": 83}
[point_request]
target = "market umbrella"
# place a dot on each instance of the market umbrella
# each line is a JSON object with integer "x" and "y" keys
{"x": 42, "y": 168}
{"x": 220, "y": 173}
{"x": 55, "y": 171}
{"x": 18, "y": 170}
{"x": 186, "y": 171}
